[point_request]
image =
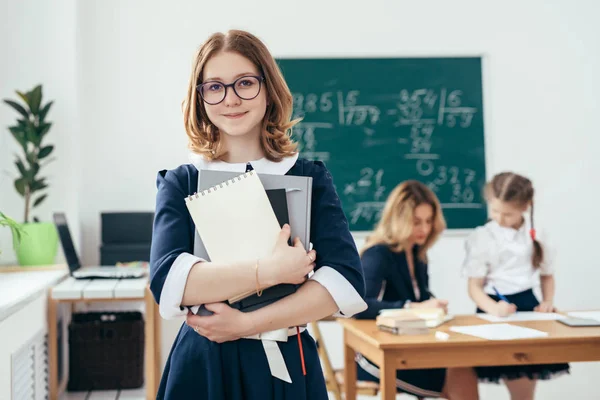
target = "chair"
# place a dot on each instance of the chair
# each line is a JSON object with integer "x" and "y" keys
{"x": 334, "y": 378}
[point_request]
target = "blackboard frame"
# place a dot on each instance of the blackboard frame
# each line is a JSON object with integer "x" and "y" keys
{"x": 482, "y": 58}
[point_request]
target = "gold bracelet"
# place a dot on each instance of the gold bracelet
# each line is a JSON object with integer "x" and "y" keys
{"x": 258, "y": 292}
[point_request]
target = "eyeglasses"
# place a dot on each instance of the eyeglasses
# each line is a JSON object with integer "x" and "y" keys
{"x": 245, "y": 87}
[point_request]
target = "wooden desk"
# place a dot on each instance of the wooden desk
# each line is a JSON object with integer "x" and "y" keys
{"x": 391, "y": 352}
{"x": 90, "y": 290}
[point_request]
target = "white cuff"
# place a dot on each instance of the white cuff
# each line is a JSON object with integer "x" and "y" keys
{"x": 345, "y": 296}
{"x": 171, "y": 295}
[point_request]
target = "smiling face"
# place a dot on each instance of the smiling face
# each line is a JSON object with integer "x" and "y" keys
{"x": 234, "y": 116}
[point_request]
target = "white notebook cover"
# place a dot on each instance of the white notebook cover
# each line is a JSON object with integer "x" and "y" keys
{"x": 235, "y": 219}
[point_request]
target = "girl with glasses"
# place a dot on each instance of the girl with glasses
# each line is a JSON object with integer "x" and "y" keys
{"x": 237, "y": 116}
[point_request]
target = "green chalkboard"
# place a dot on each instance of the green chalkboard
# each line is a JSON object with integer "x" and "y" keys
{"x": 378, "y": 121}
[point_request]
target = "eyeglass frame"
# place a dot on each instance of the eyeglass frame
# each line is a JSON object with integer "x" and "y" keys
{"x": 260, "y": 79}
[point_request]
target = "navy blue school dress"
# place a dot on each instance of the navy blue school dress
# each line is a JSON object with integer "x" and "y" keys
{"x": 389, "y": 285}
{"x": 198, "y": 368}
{"x": 503, "y": 256}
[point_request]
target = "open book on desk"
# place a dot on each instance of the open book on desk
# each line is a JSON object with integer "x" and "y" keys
{"x": 213, "y": 182}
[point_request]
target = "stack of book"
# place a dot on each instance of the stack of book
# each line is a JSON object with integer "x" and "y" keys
{"x": 414, "y": 321}
{"x": 238, "y": 217}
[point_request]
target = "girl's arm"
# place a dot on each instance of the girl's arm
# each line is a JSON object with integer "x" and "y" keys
{"x": 336, "y": 287}
{"x": 485, "y": 302}
{"x": 179, "y": 279}
{"x": 476, "y": 266}
{"x": 548, "y": 287}
{"x": 375, "y": 261}
{"x": 311, "y": 302}
{"x": 210, "y": 282}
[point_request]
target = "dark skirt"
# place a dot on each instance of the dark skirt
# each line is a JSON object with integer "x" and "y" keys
{"x": 417, "y": 382}
{"x": 238, "y": 370}
{"x": 525, "y": 301}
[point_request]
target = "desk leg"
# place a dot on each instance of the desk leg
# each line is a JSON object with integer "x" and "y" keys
{"x": 150, "y": 343}
{"x": 349, "y": 371}
{"x": 387, "y": 385}
{"x": 52, "y": 347}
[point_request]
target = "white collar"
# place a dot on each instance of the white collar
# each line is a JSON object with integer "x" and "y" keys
{"x": 262, "y": 165}
{"x": 510, "y": 233}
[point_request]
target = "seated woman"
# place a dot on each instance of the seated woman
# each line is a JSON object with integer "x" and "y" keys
{"x": 395, "y": 267}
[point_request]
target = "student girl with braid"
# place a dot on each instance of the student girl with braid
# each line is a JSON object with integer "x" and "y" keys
{"x": 504, "y": 260}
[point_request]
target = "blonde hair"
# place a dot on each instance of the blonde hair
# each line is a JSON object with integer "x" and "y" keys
{"x": 396, "y": 224}
{"x": 204, "y": 137}
{"x": 513, "y": 188}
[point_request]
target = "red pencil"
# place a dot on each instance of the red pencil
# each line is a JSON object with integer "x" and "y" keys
{"x": 301, "y": 352}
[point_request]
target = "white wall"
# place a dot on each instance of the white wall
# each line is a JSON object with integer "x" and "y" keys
{"x": 37, "y": 46}
{"x": 132, "y": 64}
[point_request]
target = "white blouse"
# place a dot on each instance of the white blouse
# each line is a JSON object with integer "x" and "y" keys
{"x": 503, "y": 257}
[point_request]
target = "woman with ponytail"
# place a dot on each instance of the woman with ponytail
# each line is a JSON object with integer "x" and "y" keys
{"x": 503, "y": 260}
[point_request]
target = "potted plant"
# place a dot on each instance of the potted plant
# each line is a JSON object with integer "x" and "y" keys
{"x": 15, "y": 227}
{"x": 39, "y": 244}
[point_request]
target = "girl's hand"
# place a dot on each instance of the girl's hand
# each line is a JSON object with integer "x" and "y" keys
{"x": 545, "y": 306}
{"x": 226, "y": 324}
{"x": 504, "y": 309}
{"x": 432, "y": 303}
{"x": 287, "y": 264}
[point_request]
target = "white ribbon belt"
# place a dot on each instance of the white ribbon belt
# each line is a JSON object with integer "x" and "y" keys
{"x": 274, "y": 357}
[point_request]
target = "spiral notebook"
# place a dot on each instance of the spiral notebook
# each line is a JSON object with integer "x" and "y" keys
{"x": 298, "y": 192}
{"x": 235, "y": 220}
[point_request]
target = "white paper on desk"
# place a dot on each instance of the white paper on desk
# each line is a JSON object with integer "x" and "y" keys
{"x": 586, "y": 314}
{"x": 522, "y": 316}
{"x": 499, "y": 331}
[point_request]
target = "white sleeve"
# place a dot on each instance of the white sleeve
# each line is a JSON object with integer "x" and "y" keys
{"x": 345, "y": 296}
{"x": 172, "y": 291}
{"x": 477, "y": 259}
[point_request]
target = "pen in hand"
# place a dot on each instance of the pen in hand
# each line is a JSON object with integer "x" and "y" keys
{"x": 504, "y": 307}
{"x": 500, "y": 295}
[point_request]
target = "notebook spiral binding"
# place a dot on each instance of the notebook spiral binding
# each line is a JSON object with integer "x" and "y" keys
{"x": 219, "y": 186}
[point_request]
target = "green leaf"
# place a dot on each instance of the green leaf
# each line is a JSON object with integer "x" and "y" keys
{"x": 35, "y": 168}
{"x": 43, "y": 129}
{"x": 31, "y": 158}
{"x": 35, "y": 97}
{"x": 19, "y": 108}
{"x": 15, "y": 227}
{"x": 21, "y": 168}
{"x": 19, "y": 136}
{"x": 31, "y": 134}
{"x": 45, "y": 151}
{"x": 39, "y": 200}
{"x": 38, "y": 185}
{"x": 45, "y": 110}
{"x": 17, "y": 128}
{"x": 24, "y": 96}
{"x": 20, "y": 185}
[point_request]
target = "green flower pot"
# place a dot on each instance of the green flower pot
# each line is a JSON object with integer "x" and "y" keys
{"x": 39, "y": 244}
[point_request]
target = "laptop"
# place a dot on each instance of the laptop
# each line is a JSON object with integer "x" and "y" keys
{"x": 96, "y": 272}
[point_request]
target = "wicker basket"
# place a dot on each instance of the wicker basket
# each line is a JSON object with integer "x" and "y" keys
{"x": 106, "y": 351}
